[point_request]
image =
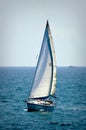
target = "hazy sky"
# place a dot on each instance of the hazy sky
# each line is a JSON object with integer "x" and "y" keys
{"x": 22, "y": 25}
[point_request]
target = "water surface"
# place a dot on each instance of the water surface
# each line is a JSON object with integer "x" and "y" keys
{"x": 70, "y": 110}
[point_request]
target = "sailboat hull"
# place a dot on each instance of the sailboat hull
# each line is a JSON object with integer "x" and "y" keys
{"x": 39, "y": 107}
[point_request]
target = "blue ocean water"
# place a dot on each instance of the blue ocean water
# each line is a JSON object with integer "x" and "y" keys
{"x": 70, "y": 110}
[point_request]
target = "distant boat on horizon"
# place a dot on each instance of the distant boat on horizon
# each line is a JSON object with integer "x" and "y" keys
{"x": 42, "y": 94}
{"x": 71, "y": 66}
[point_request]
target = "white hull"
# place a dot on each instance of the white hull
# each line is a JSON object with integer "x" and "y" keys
{"x": 40, "y": 106}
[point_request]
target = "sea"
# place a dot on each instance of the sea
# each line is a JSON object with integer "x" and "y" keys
{"x": 68, "y": 114}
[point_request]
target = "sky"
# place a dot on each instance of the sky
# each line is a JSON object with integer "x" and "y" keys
{"x": 22, "y": 25}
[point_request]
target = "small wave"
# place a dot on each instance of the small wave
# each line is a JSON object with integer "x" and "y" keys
{"x": 63, "y": 124}
{"x": 4, "y": 101}
{"x": 25, "y": 109}
{"x": 54, "y": 123}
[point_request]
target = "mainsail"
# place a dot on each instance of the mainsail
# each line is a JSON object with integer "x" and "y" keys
{"x": 44, "y": 82}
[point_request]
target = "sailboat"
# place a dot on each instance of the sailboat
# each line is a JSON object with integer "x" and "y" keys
{"x": 44, "y": 82}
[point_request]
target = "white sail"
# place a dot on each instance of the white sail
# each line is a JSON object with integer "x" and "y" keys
{"x": 44, "y": 82}
{"x": 53, "y": 88}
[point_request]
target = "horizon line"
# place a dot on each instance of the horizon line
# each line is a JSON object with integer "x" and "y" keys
{"x": 35, "y": 66}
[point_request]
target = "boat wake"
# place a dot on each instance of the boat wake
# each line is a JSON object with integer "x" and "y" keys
{"x": 25, "y": 109}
